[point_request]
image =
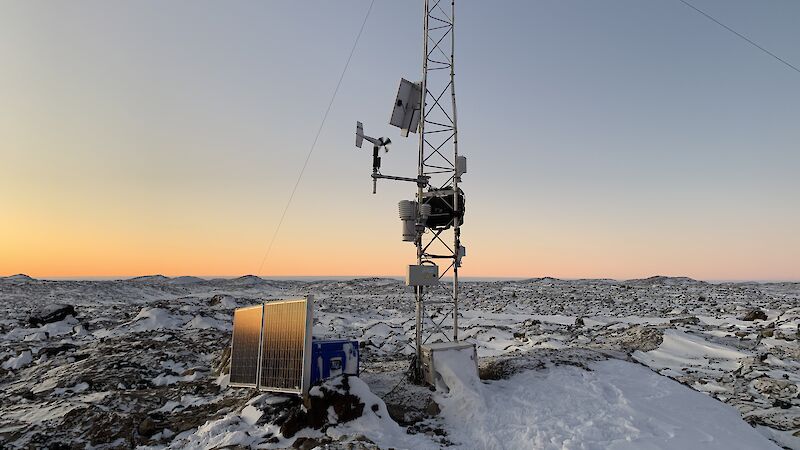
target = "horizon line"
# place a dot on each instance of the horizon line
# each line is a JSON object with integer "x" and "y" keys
{"x": 400, "y": 277}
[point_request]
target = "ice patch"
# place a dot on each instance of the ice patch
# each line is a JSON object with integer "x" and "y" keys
{"x": 18, "y": 362}
{"x": 164, "y": 379}
{"x": 150, "y": 319}
{"x": 222, "y": 381}
{"x": 45, "y": 385}
{"x": 226, "y": 303}
{"x": 169, "y": 406}
{"x": 203, "y": 323}
{"x": 80, "y": 387}
{"x": 43, "y": 413}
{"x": 250, "y": 414}
{"x": 175, "y": 374}
{"x": 43, "y": 332}
{"x": 680, "y": 349}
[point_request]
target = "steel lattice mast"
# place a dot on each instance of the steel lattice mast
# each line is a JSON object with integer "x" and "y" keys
{"x": 438, "y": 156}
{"x": 433, "y": 221}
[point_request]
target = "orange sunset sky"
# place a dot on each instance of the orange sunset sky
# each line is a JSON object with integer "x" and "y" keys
{"x": 140, "y": 138}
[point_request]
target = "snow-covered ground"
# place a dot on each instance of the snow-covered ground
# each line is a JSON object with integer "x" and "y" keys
{"x": 614, "y": 405}
{"x": 584, "y": 364}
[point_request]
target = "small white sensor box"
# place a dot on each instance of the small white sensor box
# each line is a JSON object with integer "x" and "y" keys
{"x": 422, "y": 275}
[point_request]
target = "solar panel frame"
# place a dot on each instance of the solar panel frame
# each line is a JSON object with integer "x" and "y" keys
{"x": 243, "y": 346}
{"x": 286, "y": 336}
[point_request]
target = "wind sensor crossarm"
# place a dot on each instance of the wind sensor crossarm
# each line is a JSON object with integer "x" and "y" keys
{"x": 377, "y": 144}
{"x": 421, "y": 181}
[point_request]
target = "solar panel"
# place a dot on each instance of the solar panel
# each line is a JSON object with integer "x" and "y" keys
{"x": 245, "y": 345}
{"x": 286, "y": 346}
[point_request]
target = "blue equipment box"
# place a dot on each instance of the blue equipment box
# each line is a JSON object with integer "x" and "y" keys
{"x": 332, "y": 358}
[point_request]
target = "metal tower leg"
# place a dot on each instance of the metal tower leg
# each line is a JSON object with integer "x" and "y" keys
{"x": 438, "y": 155}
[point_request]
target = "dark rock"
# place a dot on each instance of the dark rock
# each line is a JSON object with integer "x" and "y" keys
{"x": 493, "y": 370}
{"x": 301, "y": 442}
{"x": 767, "y": 332}
{"x": 295, "y": 421}
{"x": 405, "y": 414}
{"x": 638, "y": 337}
{"x": 755, "y": 314}
{"x": 500, "y": 368}
{"x": 362, "y": 438}
{"x": 195, "y": 416}
{"x": 782, "y": 404}
{"x": 50, "y": 314}
{"x": 216, "y": 300}
{"x": 149, "y": 427}
{"x": 282, "y": 417}
{"x": 53, "y": 351}
{"x": 579, "y": 322}
{"x": 59, "y": 446}
{"x": 346, "y": 406}
{"x": 432, "y": 409}
{"x": 109, "y": 427}
{"x": 305, "y": 443}
{"x": 691, "y": 320}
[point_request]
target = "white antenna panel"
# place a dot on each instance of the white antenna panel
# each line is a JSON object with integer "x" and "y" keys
{"x": 406, "y": 112}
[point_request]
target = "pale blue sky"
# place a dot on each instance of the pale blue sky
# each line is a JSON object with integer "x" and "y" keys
{"x": 613, "y": 138}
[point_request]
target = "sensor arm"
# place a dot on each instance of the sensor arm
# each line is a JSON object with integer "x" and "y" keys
{"x": 422, "y": 181}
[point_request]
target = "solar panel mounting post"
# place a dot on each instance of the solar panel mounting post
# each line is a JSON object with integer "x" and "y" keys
{"x": 307, "y": 350}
